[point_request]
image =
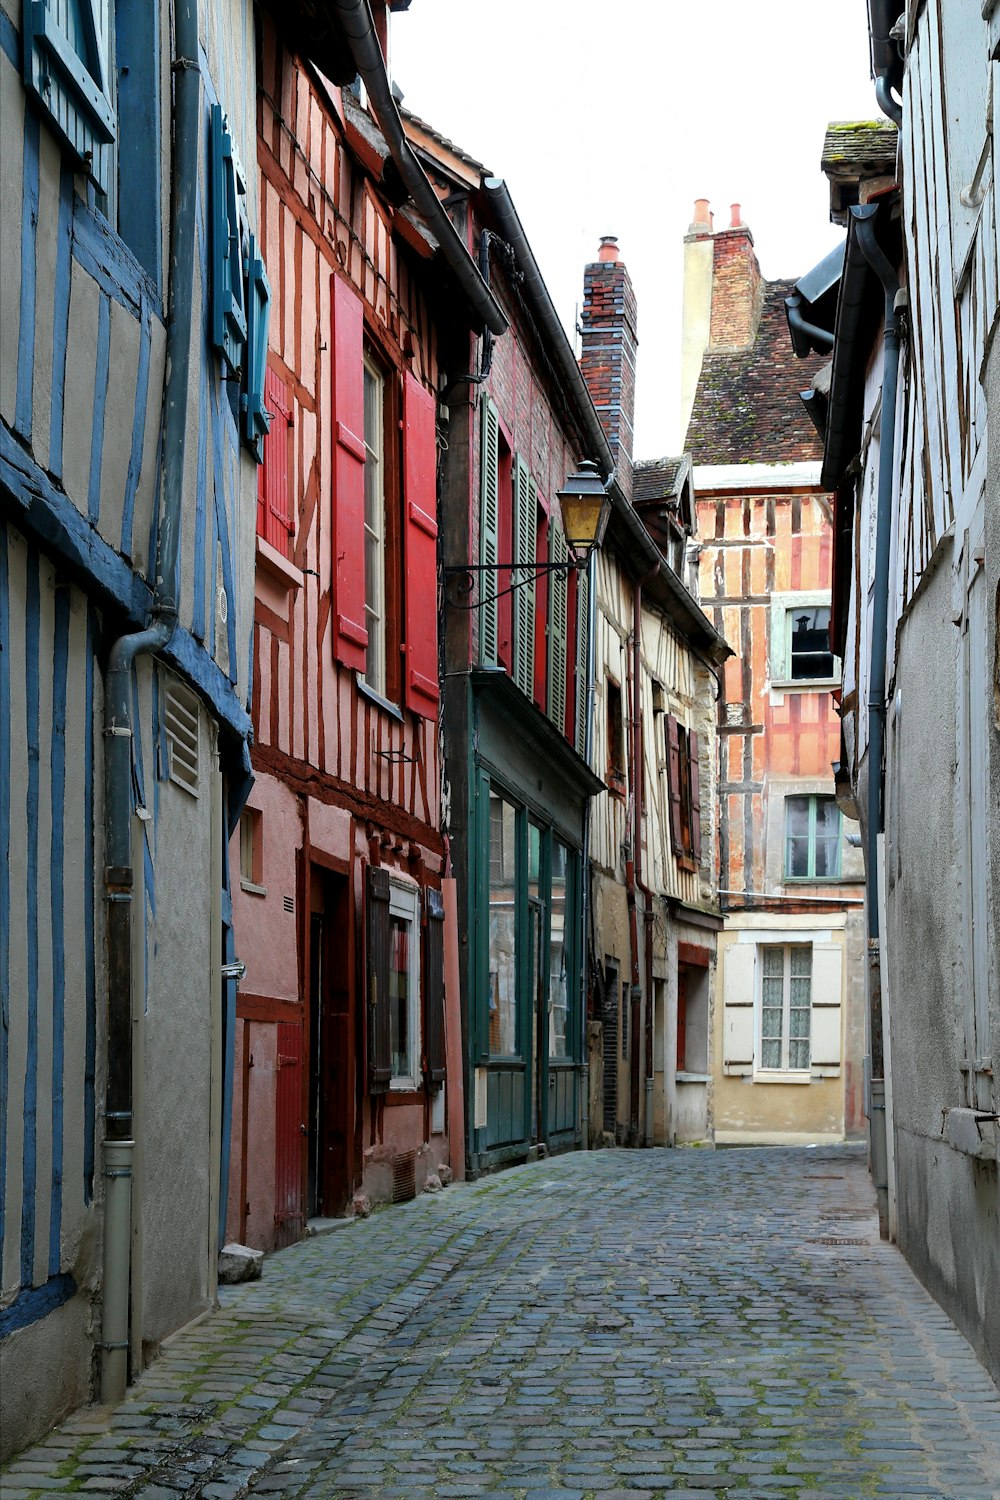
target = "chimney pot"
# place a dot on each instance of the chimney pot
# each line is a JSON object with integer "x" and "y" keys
{"x": 701, "y": 215}
{"x": 609, "y": 248}
{"x": 735, "y": 222}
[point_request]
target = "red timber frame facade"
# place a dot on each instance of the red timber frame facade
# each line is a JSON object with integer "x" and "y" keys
{"x": 343, "y": 1086}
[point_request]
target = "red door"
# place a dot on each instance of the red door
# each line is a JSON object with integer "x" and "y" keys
{"x": 289, "y": 1218}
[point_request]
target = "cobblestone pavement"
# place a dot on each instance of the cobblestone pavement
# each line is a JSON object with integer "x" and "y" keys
{"x": 603, "y": 1326}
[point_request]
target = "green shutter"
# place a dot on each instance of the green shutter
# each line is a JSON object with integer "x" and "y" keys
{"x": 558, "y": 605}
{"x": 582, "y": 655}
{"x": 523, "y": 579}
{"x": 489, "y": 530}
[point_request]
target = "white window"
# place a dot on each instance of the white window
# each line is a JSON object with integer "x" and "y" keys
{"x": 404, "y": 986}
{"x": 252, "y": 851}
{"x": 785, "y": 1007}
{"x": 801, "y": 655}
{"x": 374, "y": 528}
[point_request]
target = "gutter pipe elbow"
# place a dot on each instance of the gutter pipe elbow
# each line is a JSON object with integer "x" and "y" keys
{"x": 887, "y": 103}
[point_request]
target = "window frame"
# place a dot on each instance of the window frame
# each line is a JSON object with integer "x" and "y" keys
{"x": 783, "y": 607}
{"x": 404, "y": 903}
{"x": 783, "y": 1072}
{"x": 251, "y": 834}
{"x": 813, "y": 799}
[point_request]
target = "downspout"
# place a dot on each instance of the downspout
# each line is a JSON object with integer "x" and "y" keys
{"x": 633, "y": 865}
{"x": 648, "y": 912}
{"x": 885, "y": 56}
{"x": 588, "y": 752}
{"x": 883, "y": 269}
{"x": 119, "y": 1143}
{"x": 356, "y": 19}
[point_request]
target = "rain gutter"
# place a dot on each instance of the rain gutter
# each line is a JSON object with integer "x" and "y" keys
{"x": 356, "y": 18}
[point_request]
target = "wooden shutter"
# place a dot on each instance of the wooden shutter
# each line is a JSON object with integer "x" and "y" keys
{"x": 674, "y": 788}
{"x": 420, "y": 511}
{"x": 827, "y": 995}
{"x": 695, "y": 775}
{"x": 350, "y": 634}
{"x": 558, "y": 598}
{"x": 228, "y": 312}
{"x": 738, "y": 960}
{"x": 377, "y": 956}
{"x": 524, "y": 533}
{"x": 258, "y": 312}
{"x": 582, "y": 655}
{"x": 274, "y": 491}
{"x": 489, "y": 530}
{"x": 434, "y": 1040}
{"x": 64, "y": 68}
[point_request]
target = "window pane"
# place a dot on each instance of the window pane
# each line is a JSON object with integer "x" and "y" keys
{"x": 774, "y": 961}
{"x": 811, "y": 654}
{"x": 798, "y": 1054}
{"x": 797, "y": 858}
{"x": 399, "y": 994}
{"x": 801, "y": 959}
{"x": 558, "y": 984}
{"x": 771, "y": 1054}
{"x": 797, "y": 817}
{"x": 503, "y": 929}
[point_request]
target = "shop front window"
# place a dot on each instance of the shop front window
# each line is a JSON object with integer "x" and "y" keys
{"x": 504, "y": 1039}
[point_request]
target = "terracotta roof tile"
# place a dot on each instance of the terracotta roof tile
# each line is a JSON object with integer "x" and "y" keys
{"x": 655, "y": 478}
{"x": 747, "y": 408}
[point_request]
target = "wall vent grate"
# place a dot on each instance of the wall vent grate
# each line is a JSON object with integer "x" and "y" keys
{"x": 289, "y": 903}
{"x": 181, "y": 722}
{"x": 404, "y": 1177}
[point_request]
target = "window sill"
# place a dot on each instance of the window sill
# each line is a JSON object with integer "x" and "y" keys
{"x": 278, "y": 568}
{"x": 252, "y": 888}
{"x": 694, "y": 1077}
{"x": 403, "y": 1089}
{"x": 772, "y": 1075}
{"x": 805, "y": 684}
{"x": 367, "y": 691}
{"x": 964, "y": 1135}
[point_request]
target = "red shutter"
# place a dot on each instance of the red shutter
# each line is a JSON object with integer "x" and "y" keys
{"x": 350, "y": 635}
{"x": 420, "y": 512}
{"x": 674, "y": 785}
{"x": 695, "y": 795}
{"x": 274, "y": 510}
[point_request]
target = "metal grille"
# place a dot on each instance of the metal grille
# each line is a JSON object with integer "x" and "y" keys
{"x": 611, "y": 1051}
{"x": 289, "y": 902}
{"x": 181, "y": 723}
{"x": 404, "y": 1177}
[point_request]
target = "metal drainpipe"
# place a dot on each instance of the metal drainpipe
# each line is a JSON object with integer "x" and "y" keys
{"x": 883, "y": 269}
{"x": 634, "y": 880}
{"x": 588, "y": 751}
{"x": 119, "y": 1144}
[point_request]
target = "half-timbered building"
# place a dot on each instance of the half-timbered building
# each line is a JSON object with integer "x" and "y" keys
{"x": 652, "y": 877}
{"x": 133, "y": 319}
{"x": 911, "y": 450}
{"x": 788, "y": 1038}
{"x": 348, "y": 1091}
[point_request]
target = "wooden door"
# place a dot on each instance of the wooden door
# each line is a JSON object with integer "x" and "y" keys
{"x": 289, "y": 1214}
{"x": 331, "y": 1096}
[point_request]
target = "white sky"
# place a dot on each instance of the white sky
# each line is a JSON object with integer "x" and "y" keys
{"x": 612, "y": 116}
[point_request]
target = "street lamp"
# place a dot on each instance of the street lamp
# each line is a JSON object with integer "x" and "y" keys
{"x": 585, "y": 509}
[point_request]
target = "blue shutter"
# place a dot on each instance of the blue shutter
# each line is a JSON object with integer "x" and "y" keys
{"x": 64, "y": 69}
{"x": 228, "y": 314}
{"x": 256, "y": 417}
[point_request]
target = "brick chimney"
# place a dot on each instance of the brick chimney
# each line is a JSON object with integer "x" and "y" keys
{"x": 608, "y": 347}
{"x": 723, "y": 296}
{"x": 737, "y": 286}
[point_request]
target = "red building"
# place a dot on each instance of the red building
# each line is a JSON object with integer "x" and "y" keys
{"x": 348, "y": 1079}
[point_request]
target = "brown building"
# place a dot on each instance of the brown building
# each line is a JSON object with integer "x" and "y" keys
{"x": 791, "y": 982}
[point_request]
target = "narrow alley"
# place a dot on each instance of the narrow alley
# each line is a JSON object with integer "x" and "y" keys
{"x": 610, "y": 1324}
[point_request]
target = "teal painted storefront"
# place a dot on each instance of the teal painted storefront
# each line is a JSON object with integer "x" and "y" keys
{"x": 527, "y": 794}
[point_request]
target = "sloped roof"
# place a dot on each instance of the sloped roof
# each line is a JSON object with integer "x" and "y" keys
{"x": 859, "y": 147}
{"x": 409, "y": 118}
{"x": 747, "y": 407}
{"x": 655, "y": 478}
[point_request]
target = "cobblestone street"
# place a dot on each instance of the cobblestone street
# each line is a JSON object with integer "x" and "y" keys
{"x": 619, "y": 1324}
